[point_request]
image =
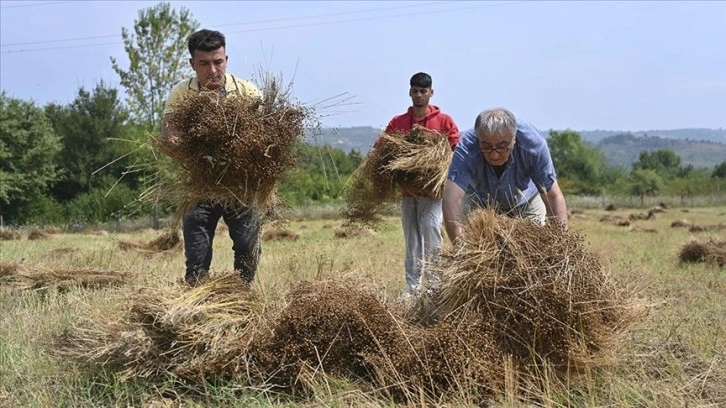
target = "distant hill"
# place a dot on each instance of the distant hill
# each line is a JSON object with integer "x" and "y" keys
{"x": 624, "y": 149}
{"x": 697, "y": 147}
{"x": 709, "y": 135}
{"x": 358, "y": 138}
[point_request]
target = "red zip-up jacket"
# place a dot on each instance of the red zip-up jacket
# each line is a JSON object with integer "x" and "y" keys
{"x": 434, "y": 120}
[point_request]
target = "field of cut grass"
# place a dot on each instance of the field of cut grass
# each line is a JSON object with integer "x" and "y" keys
{"x": 674, "y": 357}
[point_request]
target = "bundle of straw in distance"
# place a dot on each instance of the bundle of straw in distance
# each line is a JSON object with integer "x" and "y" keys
{"x": 712, "y": 251}
{"x": 39, "y": 277}
{"x": 7, "y": 269}
{"x": 416, "y": 162}
{"x": 8, "y": 234}
{"x": 232, "y": 149}
{"x": 168, "y": 241}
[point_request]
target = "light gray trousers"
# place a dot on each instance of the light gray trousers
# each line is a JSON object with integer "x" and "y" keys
{"x": 422, "y": 219}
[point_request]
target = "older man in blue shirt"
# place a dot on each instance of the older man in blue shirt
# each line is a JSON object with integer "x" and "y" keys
{"x": 505, "y": 164}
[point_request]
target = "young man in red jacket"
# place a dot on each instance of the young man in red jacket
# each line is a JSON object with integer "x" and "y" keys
{"x": 422, "y": 216}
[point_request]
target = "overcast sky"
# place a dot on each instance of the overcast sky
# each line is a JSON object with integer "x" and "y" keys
{"x": 582, "y": 65}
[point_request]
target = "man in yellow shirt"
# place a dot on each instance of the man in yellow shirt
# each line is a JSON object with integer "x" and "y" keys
{"x": 209, "y": 62}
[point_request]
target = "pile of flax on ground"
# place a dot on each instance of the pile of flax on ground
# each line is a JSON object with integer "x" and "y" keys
{"x": 232, "y": 150}
{"x": 513, "y": 296}
{"x": 702, "y": 228}
{"x": 168, "y": 241}
{"x": 548, "y": 299}
{"x": 329, "y": 328}
{"x": 712, "y": 251}
{"x": 440, "y": 362}
{"x": 341, "y": 328}
{"x": 37, "y": 277}
{"x": 326, "y": 328}
{"x": 415, "y": 162}
{"x": 9, "y": 234}
{"x": 192, "y": 334}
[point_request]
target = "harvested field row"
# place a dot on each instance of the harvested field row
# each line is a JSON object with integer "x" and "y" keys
{"x": 462, "y": 334}
{"x": 713, "y": 251}
{"x": 37, "y": 277}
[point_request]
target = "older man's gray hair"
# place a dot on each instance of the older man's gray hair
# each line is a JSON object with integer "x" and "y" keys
{"x": 496, "y": 122}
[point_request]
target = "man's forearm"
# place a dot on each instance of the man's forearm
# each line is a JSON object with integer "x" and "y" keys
{"x": 451, "y": 209}
{"x": 451, "y": 226}
{"x": 559, "y": 209}
{"x": 556, "y": 204}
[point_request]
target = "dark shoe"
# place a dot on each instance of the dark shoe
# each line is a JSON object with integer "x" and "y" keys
{"x": 247, "y": 276}
{"x": 197, "y": 277}
{"x": 246, "y": 267}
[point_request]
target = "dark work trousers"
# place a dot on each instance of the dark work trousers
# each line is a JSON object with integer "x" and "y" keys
{"x": 244, "y": 227}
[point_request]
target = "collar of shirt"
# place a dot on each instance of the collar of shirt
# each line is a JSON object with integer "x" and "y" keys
{"x": 230, "y": 84}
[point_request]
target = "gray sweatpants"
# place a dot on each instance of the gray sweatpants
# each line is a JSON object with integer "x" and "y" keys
{"x": 422, "y": 219}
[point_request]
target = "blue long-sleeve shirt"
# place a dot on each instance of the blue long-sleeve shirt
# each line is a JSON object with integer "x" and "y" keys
{"x": 529, "y": 169}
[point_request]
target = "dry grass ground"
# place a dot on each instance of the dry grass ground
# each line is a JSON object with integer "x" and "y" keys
{"x": 673, "y": 358}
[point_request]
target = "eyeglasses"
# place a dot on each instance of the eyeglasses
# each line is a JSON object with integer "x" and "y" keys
{"x": 500, "y": 150}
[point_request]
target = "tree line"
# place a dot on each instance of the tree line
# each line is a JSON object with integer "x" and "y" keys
{"x": 81, "y": 162}
{"x": 582, "y": 169}
{"x": 75, "y": 163}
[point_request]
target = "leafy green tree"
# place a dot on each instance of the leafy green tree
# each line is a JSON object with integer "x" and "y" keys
{"x": 645, "y": 182}
{"x": 100, "y": 204}
{"x": 615, "y": 180}
{"x": 320, "y": 176}
{"x": 688, "y": 171}
{"x": 719, "y": 171}
{"x": 157, "y": 60}
{"x": 355, "y": 157}
{"x": 690, "y": 184}
{"x": 28, "y": 151}
{"x": 325, "y": 160}
{"x": 92, "y": 129}
{"x": 664, "y": 162}
{"x": 580, "y": 166}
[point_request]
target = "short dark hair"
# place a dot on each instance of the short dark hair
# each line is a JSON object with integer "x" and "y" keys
{"x": 205, "y": 40}
{"x": 421, "y": 80}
